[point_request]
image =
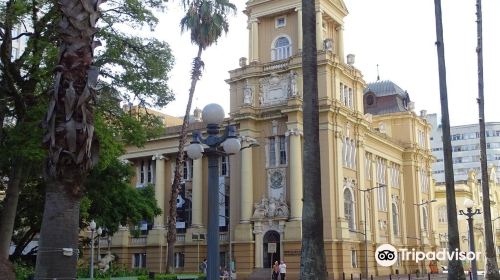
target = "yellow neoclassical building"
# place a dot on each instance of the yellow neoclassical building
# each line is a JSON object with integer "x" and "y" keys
{"x": 469, "y": 189}
{"x": 370, "y": 140}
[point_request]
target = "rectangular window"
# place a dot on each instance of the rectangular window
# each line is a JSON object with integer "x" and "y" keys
{"x": 150, "y": 171}
{"x": 382, "y": 197}
{"x": 179, "y": 259}
{"x": 224, "y": 170}
{"x": 282, "y": 149}
{"x": 187, "y": 169}
{"x": 342, "y": 93}
{"x": 142, "y": 172}
{"x": 368, "y": 166}
{"x": 139, "y": 260}
{"x": 277, "y": 154}
{"x": 272, "y": 151}
{"x": 280, "y": 22}
{"x": 351, "y": 99}
{"x": 354, "y": 259}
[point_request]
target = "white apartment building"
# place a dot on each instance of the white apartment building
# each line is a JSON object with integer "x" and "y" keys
{"x": 465, "y": 146}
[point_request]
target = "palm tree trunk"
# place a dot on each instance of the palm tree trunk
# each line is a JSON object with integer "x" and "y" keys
{"x": 60, "y": 230}
{"x": 491, "y": 260}
{"x": 455, "y": 268}
{"x": 179, "y": 161}
{"x": 312, "y": 261}
{"x": 72, "y": 145}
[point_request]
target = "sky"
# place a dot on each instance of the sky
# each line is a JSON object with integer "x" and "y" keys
{"x": 398, "y": 35}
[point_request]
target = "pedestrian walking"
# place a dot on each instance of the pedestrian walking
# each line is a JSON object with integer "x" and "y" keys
{"x": 203, "y": 266}
{"x": 276, "y": 270}
{"x": 282, "y": 267}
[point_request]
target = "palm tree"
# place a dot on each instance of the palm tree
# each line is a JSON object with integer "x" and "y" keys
{"x": 312, "y": 261}
{"x": 491, "y": 259}
{"x": 207, "y": 20}
{"x": 455, "y": 268}
{"x": 70, "y": 139}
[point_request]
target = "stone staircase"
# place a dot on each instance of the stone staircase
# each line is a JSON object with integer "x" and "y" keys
{"x": 260, "y": 274}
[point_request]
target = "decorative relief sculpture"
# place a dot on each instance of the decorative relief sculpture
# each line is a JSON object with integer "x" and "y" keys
{"x": 293, "y": 90}
{"x": 271, "y": 208}
{"x": 104, "y": 262}
{"x": 247, "y": 94}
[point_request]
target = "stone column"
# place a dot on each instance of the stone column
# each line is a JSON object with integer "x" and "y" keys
{"x": 343, "y": 227}
{"x": 259, "y": 239}
{"x": 254, "y": 39}
{"x": 246, "y": 184}
{"x": 160, "y": 189}
{"x": 374, "y": 201}
{"x": 360, "y": 158}
{"x": 402, "y": 208}
{"x": 340, "y": 42}
{"x": 295, "y": 174}
{"x": 299, "y": 28}
{"x": 390, "y": 233}
{"x": 197, "y": 193}
{"x": 319, "y": 30}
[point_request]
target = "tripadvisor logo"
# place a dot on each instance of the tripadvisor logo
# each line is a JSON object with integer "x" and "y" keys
{"x": 387, "y": 255}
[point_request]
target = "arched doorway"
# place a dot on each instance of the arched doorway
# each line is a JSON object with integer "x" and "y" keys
{"x": 271, "y": 243}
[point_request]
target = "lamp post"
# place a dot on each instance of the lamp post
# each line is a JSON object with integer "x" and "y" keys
{"x": 92, "y": 229}
{"x": 472, "y": 247}
{"x": 99, "y": 233}
{"x": 213, "y": 115}
{"x": 424, "y": 202}
{"x": 365, "y": 192}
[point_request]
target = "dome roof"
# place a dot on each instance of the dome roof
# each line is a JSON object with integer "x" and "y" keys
{"x": 385, "y": 88}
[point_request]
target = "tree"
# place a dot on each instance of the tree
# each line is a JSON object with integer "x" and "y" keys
{"x": 134, "y": 70}
{"x": 109, "y": 200}
{"x": 455, "y": 268}
{"x": 206, "y": 20}
{"x": 73, "y": 148}
{"x": 491, "y": 259}
{"x": 312, "y": 259}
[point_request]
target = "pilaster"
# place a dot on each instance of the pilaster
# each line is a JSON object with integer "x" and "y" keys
{"x": 342, "y": 225}
{"x": 246, "y": 183}
{"x": 259, "y": 238}
{"x": 197, "y": 193}
{"x": 374, "y": 193}
{"x": 254, "y": 39}
{"x": 299, "y": 28}
{"x": 296, "y": 186}
{"x": 319, "y": 29}
{"x": 160, "y": 189}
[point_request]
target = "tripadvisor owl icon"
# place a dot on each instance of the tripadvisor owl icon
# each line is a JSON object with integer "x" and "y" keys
{"x": 386, "y": 255}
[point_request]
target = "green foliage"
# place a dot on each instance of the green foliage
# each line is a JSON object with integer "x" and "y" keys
{"x": 114, "y": 271}
{"x": 170, "y": 276}
{"x": 23, "y": 270}
{"x": 132, "y": 68}
{"x": 206, "y": 20}
{"x": 111, "y": 201}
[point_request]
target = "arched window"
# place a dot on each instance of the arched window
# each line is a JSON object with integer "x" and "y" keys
{"x": 425, "y": 218}
{"x": 395, "y": 219}
{"x": 349, "y": 208}
{"x": 282, "y": 48}
{"x": 442, "y": 215}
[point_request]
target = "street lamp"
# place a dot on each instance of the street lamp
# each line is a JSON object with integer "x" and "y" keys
{"x": 365, "y": 191}
{"x": 99, "y": 233}
{"x": 213, "y": 115}
{"x": 92, "y": 229}
{"x": 472, "y": 247}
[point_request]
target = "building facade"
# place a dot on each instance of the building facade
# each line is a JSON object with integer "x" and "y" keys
{"x": 469, "y": 189}
{"x": 261, "y": 189}
{"x": 465, "y": 146}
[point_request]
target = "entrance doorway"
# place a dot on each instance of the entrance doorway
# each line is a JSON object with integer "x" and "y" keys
{"x": 271, "y": 250}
